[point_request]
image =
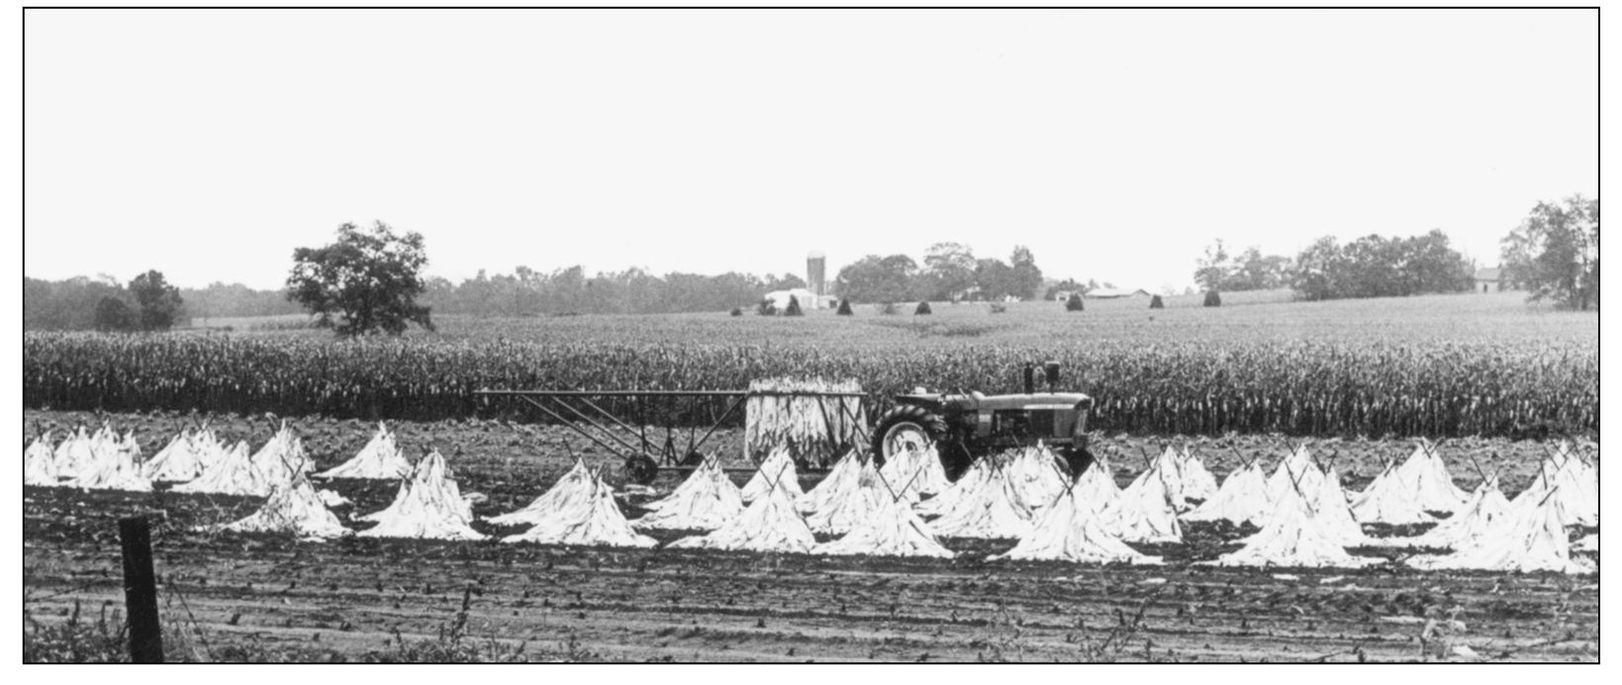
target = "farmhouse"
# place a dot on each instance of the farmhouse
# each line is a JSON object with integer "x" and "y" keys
{"x": 1114, "y": 293}
{"x": 1492, "y": 281}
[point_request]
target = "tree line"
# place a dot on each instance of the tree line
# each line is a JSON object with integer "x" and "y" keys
{"x": 1553, "y": 254}
{"x": 147, "y": 303}
{"x": 527, "y": 292}
{"x": 370, "y": 280}
{"x": 1375, "y": 266}
{"x": 950, "y": 273}
{"x": 1370, "y": 266}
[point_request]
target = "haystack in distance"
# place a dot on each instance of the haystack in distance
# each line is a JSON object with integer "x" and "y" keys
{"x": 777, "y": 462}
{"x": 1072, "y": 530}
{"x": 706, "y": 501}
{"x": 568, "y": 492}
{"x": 854, "y": 504}
{"x": 380, "y": 459}
{"x": 1241, "y": 498}
{"x": 39, "y": 463}
{"x": 916, "y": 473}
{"x": 983, "y": 504}
{"x": 293, "y": 508}
{"x": 1487, "y": 506}
{"x": 232, "y": 474}
{"x": 113, "y": 464}
{"x": 1294, "y": 536}
{"x": 769, "y": 524}
{"x": 893, "y": 530}
{"x": 188, "y": 454}
{"x": 590, "y": 520}
{"x": 429, "y": 505}
{"x": 1530, "y": 538}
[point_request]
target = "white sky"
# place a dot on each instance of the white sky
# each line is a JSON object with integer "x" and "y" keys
{"x": 1116, "y": 144}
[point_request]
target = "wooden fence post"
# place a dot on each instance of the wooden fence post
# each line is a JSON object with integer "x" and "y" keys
{"x": 140, "y": 591}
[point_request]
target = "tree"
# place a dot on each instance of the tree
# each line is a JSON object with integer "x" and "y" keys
{"x": 1375, "y": 266}
{"x": 949, "y": 271}
{"x": 1256, "y": 271}
{"x": 1316, "y": 269}
{"x": 1555, "y": 253}
{"x": 369, "y": 278}
{"x": 878, "y": 279}
{"x": 995, "y": 279}
{"x": 787, "y": 282}
{"x": 1214, "y": 267}
{"x": 235, "y": 300}
{"x": 793, "y": 308}
{"x": 1027, "y": 277}
{"x": 1252, "y": 270}
{"x": 66, "y": 305}
{"x": 159, "y": 303}
{"x": 1434, "y": 266}
{"x": 1074, "y": 304}
{"x": 113, "y": 315}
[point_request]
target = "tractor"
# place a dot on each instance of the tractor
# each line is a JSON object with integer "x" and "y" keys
{"x": 963, "y": 426}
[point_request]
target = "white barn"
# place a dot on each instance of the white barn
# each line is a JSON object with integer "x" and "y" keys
{"x": 1115, "y": 293}
{"x": 807, "y": 299}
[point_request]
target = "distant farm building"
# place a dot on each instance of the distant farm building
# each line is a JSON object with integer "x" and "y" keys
{"x": 1114, "y": 293}
{"x": 816, "y": 268}
{"x": 1492, "y": 281}
{"x": 806, "y": 298}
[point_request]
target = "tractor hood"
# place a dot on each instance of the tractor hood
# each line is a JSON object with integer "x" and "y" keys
{"x": 1037, "y": 401}
{"x": 1034, "y": 401}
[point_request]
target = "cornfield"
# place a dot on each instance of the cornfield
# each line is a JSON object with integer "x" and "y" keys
{"x": 1294, "y": 387}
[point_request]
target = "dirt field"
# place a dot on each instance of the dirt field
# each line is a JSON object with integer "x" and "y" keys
{"x": 259, "y": 597}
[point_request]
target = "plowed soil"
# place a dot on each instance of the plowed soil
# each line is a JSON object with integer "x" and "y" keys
{"x": 273, "y": 597}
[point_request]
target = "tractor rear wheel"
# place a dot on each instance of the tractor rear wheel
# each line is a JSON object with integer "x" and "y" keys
{"x": 916, "y": 427}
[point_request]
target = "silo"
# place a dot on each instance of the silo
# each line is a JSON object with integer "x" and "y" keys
{"x": 815, "y": 268}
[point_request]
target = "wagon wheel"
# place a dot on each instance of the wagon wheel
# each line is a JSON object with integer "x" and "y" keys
{"x": 640, "y": 469}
